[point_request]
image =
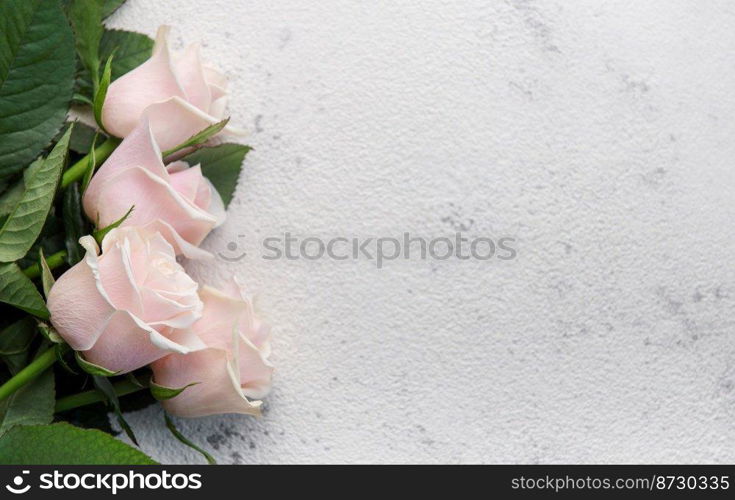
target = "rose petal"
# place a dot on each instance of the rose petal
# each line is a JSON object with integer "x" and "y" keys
{"x": 128, "y": 96}
{"x": 217, "y": 390}
{"x": 189, "y": 71}
{"x": 154, "y": 199}
{"x": 139, "y": 149}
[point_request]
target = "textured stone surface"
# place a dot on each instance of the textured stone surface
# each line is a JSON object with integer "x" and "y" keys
{"x": 601, "y": 136}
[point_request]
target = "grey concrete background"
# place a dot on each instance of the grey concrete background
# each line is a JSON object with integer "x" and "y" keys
{"x": 601, "y": 135}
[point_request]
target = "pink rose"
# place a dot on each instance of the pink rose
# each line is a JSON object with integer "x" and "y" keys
{"x": 177, "y": 201}
{"x": 130, "y": 305}
{"x": 233, "y": 367}
{"x": 187, "y": 96}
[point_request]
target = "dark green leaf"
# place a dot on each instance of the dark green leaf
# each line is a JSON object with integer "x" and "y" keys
{"x": 15, "y": 340}
{"x": 111, "y": 6}
{"x": 18, "y": 290}
{"x": 199, "y": 138}
{"x": 131, "y": 50}
{"x": 31, "y": 404}
{"x": 221, "y": 165}
{"x": 25, "y": 221}
{"x": 83, "y": 137}
{"x": 74, "y": 225}
{"x": 61, "y": 357}
{"x": 86, "y": 21}
{"x": 64, "y": 444}
{"x": 171, "y": 427}
{"x": 105, "y": 387}
{"x": 36, "y": 78}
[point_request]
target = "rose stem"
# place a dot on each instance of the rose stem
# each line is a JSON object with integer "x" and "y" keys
{"x": 87, "y": 398}
{"x": 54, "y": 260}
{"x": 76, "y": 171}
{"x": 29, "y": 373}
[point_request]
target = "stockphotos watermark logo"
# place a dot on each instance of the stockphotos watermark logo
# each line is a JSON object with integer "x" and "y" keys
{"x": 380, "y": 249}
{"x": 105, "y": 482}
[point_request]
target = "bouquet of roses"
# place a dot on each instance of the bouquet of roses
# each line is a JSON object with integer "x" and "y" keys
{"x": 96, "y": 216}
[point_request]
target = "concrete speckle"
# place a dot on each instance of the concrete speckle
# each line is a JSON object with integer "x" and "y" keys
{"x": 600, "y": 135}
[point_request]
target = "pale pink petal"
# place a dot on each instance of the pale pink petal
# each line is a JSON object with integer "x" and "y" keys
{"x": 254, "y": 369}
{"x": 78, "y": 311}
{"x": 218, "y": 106}
{"x": 180, "y": 245}
{"x": 153, "y": 199}
{"x": 189, "y": 71}
{"x": 215, "y": 205}
{"x": 217, "y": 390}
{"x": 139, "y": 149}
{"x": 123, "y": 346}
{"x": 217, "y": 93}
{"x": 116, "y": 272}
{"x": 175, "y": 120}
{"x": 220, "y": 314}
{"x": 128, "y": 96}
{"x": 187, "y": 182}
{"x": 215, "y": 77}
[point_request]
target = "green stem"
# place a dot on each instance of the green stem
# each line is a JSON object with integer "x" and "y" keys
{"x": 53, "y": 261}
{"x": 29, "y": 373}
{"x": 89, "y": 397}
{"x": 76, "y": 171}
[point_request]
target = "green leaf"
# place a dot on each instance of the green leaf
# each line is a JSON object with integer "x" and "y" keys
{"x": 31, "y": 404}
{"x": 83, "y": 138}
{"x": 198, "y": 138}
{"x": 25, "y": 222}
{"x": 131, "y": 50}
{"x": 86, "y": 21}
{"x": 74, "y": 225}
{"x": 18, "y": 290}
{"x": 101, "y": 93}
{"x": 105, "y": 387}
{"x": 171, "y": 427}
{"x": 47, "y": 279}
{"x": 91, "y": 368}
{"x": 15, "y": 340}
{"x": 221, "y": 165}
{"x": 10, "y": 198}
{"x": 64, "y": 444}
{"x": 162, "y": 393}
{"x": 36, "y": 78}
{"x": 100, "y": 234}
{"x": 111, "y": 6}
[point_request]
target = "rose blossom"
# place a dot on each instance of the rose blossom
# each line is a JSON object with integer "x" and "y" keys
{"x": 188, "y": 95}
{"x": 233, "y": 367}
{"x": 130, "y": 305}
{"x": 177, "y": 201}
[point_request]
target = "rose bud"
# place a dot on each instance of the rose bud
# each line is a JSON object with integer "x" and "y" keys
{"x": 128, "y": 306}
{"x": 193, "y": 95}
{"x": 177, "y": 201}
{"x": 233, "y": 367}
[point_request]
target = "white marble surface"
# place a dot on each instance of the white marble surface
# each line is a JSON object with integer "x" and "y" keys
{"x": 600, "y": 134}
